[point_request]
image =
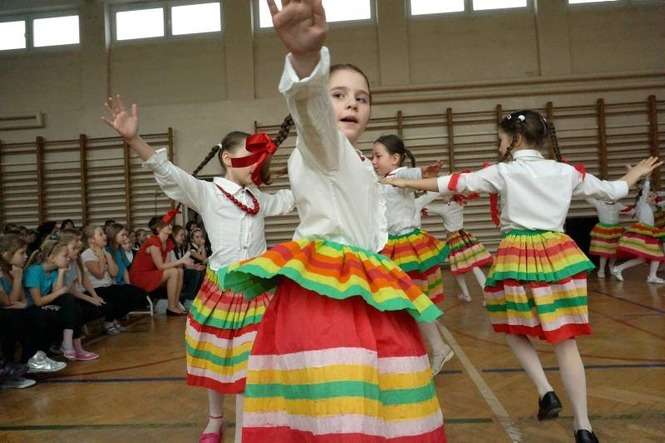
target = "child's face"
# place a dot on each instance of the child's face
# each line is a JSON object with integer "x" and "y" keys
{"x": 383, "y": 161}
{"x": 349, "y": 93}
{"x": 121, "y": 236}
{"x": 99, "y": 238}
{"x": 166, "y": 230}
{"x": 180, "y": 237}
{"x": 73, "y": 249}
{"x": 241, "y": 176}
{"x": 19, "y": 258}
{"x": 141, "y": 236}
{"x": 60, "y": 258}
{"x": 198, "y": 238}
{"x": 652, "y": 198}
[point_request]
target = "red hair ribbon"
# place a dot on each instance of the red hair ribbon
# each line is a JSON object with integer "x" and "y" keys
{"x": 261, "y": 147}
{"x": 169, "y": 216}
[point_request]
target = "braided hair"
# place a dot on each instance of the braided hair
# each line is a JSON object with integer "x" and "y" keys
{"x": 532, "y": 127}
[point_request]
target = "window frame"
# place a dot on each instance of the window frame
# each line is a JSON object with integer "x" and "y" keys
{"x": 470, "y": 12}
{"x": 166, "y": 6}
{"x": 256, "y": 19}
{"x": 29, "y": 18}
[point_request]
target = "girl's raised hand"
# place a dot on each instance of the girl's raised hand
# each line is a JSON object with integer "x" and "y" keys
{"x": 300, "y": 24}
{"x": 125, "y": 123}
{"x": 641, "y": 169}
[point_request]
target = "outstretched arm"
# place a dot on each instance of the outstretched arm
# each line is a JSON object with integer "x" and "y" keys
{"x": 126, "y": 124}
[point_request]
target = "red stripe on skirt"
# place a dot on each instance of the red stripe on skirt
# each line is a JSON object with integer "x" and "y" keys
{"x": 556, "y": 336}
{"x": 225, "y": 388}
{"x": 288, "y": 435}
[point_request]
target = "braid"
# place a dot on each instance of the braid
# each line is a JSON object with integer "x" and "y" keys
{"x": 284, "y": 130}
{"x": 210, "y": 156}
{"x": 409, "y": 154}
{"x": 554, "y": 140}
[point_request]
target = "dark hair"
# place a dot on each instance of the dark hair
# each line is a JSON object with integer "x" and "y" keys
{"x": 66, "y": 222}
{"x": 156, "y": 224}
{"x": 235, "y": 139}
{"x": 350, "y": 67}
{"x": 533, "y": 128}
{"x": 395, "y": 145}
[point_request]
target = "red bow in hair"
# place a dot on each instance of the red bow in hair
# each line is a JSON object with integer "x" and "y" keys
{"x": 261, "y": 147}
{"x": 169, "y": 216}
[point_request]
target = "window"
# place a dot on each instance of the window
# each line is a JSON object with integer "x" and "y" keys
{"x": 423, "y": 7}
{"x": 575, "y": 2}
{"x": 482, "y": 5}
{"x": 141, "y": 23}
{"x": 53, "y": 31}
{"x": 12, "y": 35}
{"x": 336, "y": 11}
{"x": 196, "y": 19}
{"x": 166, "y": 19}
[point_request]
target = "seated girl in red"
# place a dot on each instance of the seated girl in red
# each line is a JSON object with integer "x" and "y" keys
{"x": 153, "y": 267}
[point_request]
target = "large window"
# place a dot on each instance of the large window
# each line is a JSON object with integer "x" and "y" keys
{"x": 574, "y": 2}
{"x": 38, "y": 30}
{"x": 336, "y": 11}
{"x": 482, "y": 5}
{"x": 166, "y": 19}
{"x": 12, "y": 35}
{"x": 426, "y": 7}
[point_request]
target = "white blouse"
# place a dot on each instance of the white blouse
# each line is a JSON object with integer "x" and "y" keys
{"x": 608, "y": 212}
{"x": 535, "y": 192}
{"x": 337, "y": 193}
{"x": 234, "y": 235}
{"x": 401, "y": 214}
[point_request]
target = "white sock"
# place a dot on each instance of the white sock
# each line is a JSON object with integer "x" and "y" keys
{"x": 574, "y": 380}
{"x": 67, "y": 335}
{"x": 629, "y": 264}
{"x": 433, "y": 338}
{"x": 480, "y": 276}
{"x": 240, "y": 400}
{"x": 653, "y": 269}
{"x": 461, "y": 282}
{"x": 215, "y": 409}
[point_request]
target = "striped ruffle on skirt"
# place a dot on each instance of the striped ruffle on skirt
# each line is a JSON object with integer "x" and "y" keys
{"x": 466, "y": 252}
{"x": 220, "y": 332}
{"x": 642, "y": 241}
{"x": 605, "y": 240}
{"x": 420, "y": 255}
{"x": 338, "y": 356}
{"x": 537, "y": 286}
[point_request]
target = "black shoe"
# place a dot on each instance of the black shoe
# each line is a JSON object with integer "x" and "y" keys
{"x": 549, "y": 406}
{"x": 584, "y": 436}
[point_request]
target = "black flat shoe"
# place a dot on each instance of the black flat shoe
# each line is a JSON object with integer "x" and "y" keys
{"x": 549, "y": 406}
{"x": 170, "y": 313}
{"x": 584, "y": 436}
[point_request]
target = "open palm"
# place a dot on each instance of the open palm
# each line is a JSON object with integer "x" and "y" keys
{"x": 301, "y": 25}
{"x": 125, "y": 123}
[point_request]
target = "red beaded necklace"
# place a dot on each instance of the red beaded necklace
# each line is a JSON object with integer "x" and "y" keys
{"x": 242, "y": 206}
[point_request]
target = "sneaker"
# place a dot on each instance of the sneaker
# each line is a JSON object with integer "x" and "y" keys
{"x": 440, "y": 359}
{"x": 17, "y": 383}
{"x": 655, "y": 280}
{"x": 464, "y": 297}
{"x": 85, "y": 355}
{"x": 617, "y": 274}
{"x": 40, "y": 363}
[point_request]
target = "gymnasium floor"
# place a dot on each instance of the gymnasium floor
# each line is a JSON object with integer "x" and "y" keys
{"x": 136, "y": 391}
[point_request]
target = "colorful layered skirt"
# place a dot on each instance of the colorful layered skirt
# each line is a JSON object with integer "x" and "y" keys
{"x": 466, "y": 252}
{"x": 605, "y": 240}
{"x": 642, "y": 241}
{"x": 537, "y": 286}
{"x": 420, "y": 255}
{"x": 338, "y": 356}
{"x": 220, "y": 332}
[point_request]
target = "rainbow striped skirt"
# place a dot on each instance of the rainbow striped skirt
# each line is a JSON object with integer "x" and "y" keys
{"x": 642, "y": 241}
{"x": 220, "y": 332}
{"x": 420, "y": 255}
{"x": 466, "y": 252}
{"x": 537, "y": 286}
{"x": 338, "y": 356}
{"x": 605, "y": 240}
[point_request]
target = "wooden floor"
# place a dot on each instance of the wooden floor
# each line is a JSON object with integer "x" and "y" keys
{"x": 136, "y": 391}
